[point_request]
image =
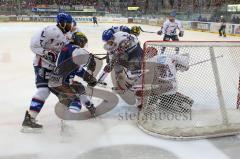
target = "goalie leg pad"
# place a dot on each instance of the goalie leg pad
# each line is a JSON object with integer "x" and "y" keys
{"x": 123, "y": 82}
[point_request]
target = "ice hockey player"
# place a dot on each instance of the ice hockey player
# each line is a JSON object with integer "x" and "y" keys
{"x": 222, "y": 30}
{"x": 73, "y": 30}
{"x": 95, "y": 22}
{"x": 165, "y": 83}
{"x": 169, "y": 30}
{"x": 70, "y": 63}
{"x": 46, "y": 45}
{"x": 108, "y": 34}
{"x": 125, "y": 53}
{"x": 135, "y": 30}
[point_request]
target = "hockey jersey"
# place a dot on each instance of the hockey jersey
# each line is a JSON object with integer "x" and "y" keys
{"x": 165, "y": 71}
{"x": 50, "y": 38}
{"x": 170, "y": 28}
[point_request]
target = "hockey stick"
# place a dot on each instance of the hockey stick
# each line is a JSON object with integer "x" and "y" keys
{"x": 100, "y": 54}
{"x": 197, "y": 63}
{"x": 100, "y": 58}
{"x": 147, "y": 31}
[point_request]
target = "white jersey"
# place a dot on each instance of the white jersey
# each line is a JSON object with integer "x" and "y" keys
{"x": 122, "y": 42}
{"x": 116, "y": 29}
{"x": 50, "y": 38}
{"x": 167, "y": 67}
{"x": 170, "y": 28}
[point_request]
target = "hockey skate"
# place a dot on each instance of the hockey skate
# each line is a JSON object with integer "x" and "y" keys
{"x": 30, "y": 125}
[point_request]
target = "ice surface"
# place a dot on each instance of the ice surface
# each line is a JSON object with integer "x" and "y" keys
{"x": 78, "y": 137}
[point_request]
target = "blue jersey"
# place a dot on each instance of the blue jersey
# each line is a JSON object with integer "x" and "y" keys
{"x": 65, "y": 65}
{"x": 94, "y": 19}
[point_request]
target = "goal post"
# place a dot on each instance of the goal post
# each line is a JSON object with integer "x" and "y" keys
{"x": 204, "y": 104}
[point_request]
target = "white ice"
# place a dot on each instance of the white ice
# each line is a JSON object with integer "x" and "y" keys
{"x": 17, "y": 87}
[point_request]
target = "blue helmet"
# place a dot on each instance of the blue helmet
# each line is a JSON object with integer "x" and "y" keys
{"x": 69, "y": 18}
{"x": 173, "y": 14}
{"x": 107, "y": 35}
{"x": 125, "y": 29}
{"x": 74, "y": 23}
{"x": 64, "y": 18}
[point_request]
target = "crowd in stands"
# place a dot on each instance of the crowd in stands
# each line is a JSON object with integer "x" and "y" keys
{"x": 151, "y": 7}
{"x": 34, "y": 3}
{"x": 196, "y": 5}
{"x": 235, "y": 19}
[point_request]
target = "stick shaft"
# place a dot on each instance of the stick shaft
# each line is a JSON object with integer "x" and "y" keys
{"x": 197, "y": 63}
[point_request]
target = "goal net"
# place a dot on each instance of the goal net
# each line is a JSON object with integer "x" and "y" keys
{"x": 204, "y": 103}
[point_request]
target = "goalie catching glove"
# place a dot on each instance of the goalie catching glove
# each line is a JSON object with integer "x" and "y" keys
{"x": 87, "y": 77}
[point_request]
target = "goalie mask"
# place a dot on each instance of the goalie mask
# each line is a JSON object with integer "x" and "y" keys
{"x": 79, "y": 39}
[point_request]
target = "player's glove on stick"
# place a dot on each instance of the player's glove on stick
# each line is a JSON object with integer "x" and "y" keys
{"x": 181, "y": 33}
{"x": 92, "y": 81}
{"x": 159, "y": 32}
{"x": 92, "y": 63}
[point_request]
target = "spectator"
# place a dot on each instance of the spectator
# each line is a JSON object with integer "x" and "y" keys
{"x": 234, "y": 20}
{"x": 237, "y": 20}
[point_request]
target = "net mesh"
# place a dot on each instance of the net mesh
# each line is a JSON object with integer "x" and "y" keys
{"x": 207, "y": 94}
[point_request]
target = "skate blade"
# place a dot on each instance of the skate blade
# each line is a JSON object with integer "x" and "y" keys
{"x": 31, "y": 130}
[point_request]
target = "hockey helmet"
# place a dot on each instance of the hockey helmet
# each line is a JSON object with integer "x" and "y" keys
{"x": 125, "y": 29}
{"x": 74, "y": 23}
{"x": 107, "y": 35}
{"x": 64, "y": 18}
{"x": 173, "y": 14}
{"x": 79, "y": 39}
{"x": 135, "y": 30}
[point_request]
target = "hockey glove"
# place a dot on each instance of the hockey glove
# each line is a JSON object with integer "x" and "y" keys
{"x": 50, "y": 56}
{"x": 159, "y": 32}
{"x": 181, "y": 33}
{"x": 107, "y": 68}
{"x": 91, "y": 64}
{"x": 92, "y": 82}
